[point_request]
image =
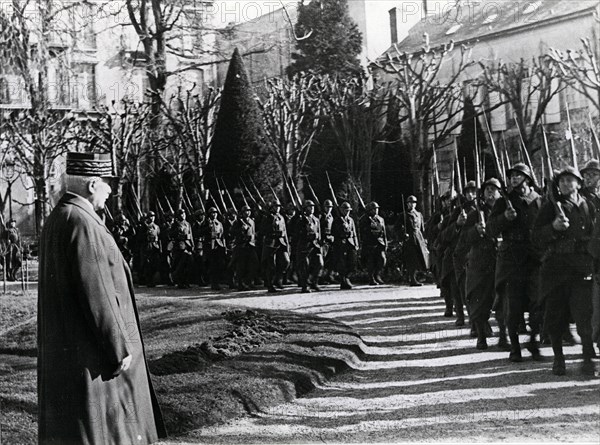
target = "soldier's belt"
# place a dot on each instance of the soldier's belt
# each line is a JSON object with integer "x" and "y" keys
{"x": 569, "y": 245}
{"x": 516, "y": 238}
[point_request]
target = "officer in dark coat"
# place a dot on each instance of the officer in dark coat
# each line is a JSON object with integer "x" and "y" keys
{"x": 327, "y": 242}
{"x": 479, "y": 248}
{"x": 590, "y": 191}
{"x": 150, "y": 249}
{"x": 245, "y": 259}
{"x": 14, "y": 250}
{"x": 309, "y": 256}
{"x": 345, "y": 245}
{"x": 374, "y": 243}
{"x": 436, "y": 224}
{"x": 93, "y": 382}
{"x": 517, "y": 264}
{"x": 213, "y": 235}
{"x": 275, "y": 256}
{"x": 181, "y": 245}
{"x": 564, "y": 231}
{"x": 414, "y": 248}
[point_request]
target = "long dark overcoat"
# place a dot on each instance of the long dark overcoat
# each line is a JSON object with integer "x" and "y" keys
{"x": 87, "y": 323}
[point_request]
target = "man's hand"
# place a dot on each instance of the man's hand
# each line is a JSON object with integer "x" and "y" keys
{"x": 462, "y": 218}
{"x": 510, "y": 214}
{"x": 123, "y": 365}
{"x": 560, "y": 223}
{"x": 480, "y": 226}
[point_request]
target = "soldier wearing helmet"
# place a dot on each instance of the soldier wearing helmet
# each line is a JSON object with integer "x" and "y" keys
{"x": 518, "y": 262}
{"x": 166, "y": 246}
{"x": 414, "y": 251}
{"x": 12, "y": 258}
{"x": 374, "y": 239}
{"x": 182, "y": 244}
{"x": 564, "y": 233}
{"x": 214, "y": 247}
{"x": 479, "y": 249}
{"x": 199, "y": 261}
{"x": 309, "y": 257}
{"x": 327, "y": 242}
{"x": 591, "y": 191}
{"x": 345, "y": 245}
{"x": 123, "y": 233}
{"x": 453, "y": 268}
{"x": 275, "y": 256}
{"x": 150, "y": 249}
{"x": 244, "y": 257}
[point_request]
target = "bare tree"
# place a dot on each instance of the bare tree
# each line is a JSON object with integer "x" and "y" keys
{"x": 528, "y": 88}
{"x": 293, "y": 116}
{"x": 430, "y": 94}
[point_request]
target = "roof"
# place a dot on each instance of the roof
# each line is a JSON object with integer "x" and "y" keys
{"x": 467, "y": 21}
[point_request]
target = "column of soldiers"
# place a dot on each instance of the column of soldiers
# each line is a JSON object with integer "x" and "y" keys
{"x": 523, "y": 251}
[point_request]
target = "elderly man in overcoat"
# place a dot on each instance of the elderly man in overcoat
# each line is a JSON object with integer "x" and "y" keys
{"x": 93, "y": 382}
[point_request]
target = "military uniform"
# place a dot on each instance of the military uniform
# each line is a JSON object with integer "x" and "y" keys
{"x": 12, "y": 259}
{"x": 345, "y": 246}
{"x": 434, "y": 231}
{"x": 517, "y": 264}
{"x": 150, "y": 251}
{"x": 374, "y": 243}
{"x": 275, "y": 257}
{"x": 166, "y": 247}
{"x": 213, "y": 235}
{"x": 244, "y": 255}
{"x": 414, "y": 248}
{"x": 181, "y": 244}
{"x": 199, "y": 263}
{"x": 124, "y": 233}
{"x": 566, "y": 271}
{"x": 309, "y": 257}
{"x": 326, "y": 221}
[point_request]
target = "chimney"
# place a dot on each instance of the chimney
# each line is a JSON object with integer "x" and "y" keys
{"x": 393, "y": 25}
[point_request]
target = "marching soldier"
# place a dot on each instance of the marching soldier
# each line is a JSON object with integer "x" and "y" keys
{"x": 436, "y": 224}
{"x": 449, "y": 238}
{"x": 213, "y": 234}
{"x": 181, "y": 244}
{"x": 309, "y": 257}
{"x": 414, "y": 252}
{"x": 12, "y": 259}
{"x": 150, "y": 249}
{"x": 291, "y": 217}
{"x": 345, "y": 245}
{"x": 374, "y": 239}
{"x": 564, "y": 230}
{"x": 275, "y": 253}
{"x": 591, "y": 180}
{"x": 327, "y": 242}
{"x": 166, "y": 246}
{"x": 479, "y": 248}
{"x": 244, "y": 257}
{"x": 198, "y": 254}
{"x": 231, "y": 217}
{"x": 517, "y": 263}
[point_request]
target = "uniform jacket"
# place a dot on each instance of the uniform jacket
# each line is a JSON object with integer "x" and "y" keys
{"x": 372, "y": 231}
{"x": 213, "y": 234}
{"x": 344, "y": 232}
{"x": 88, "y": 323}
{"x": 308, "y": 233}
{"x": 565, "y": 254}
{"x": 448, "y": 237}
{"x": 244, "y": 232}
{"x": 150, "y": 237}
{"x": 181, "y": 236}
{"x": 274, "y": 231}
{"x": 327, "y": 228}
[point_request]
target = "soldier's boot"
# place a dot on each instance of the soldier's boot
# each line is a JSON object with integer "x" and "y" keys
{"x": 314, "y": 284}
{"x": 502, "y": 340}
{"x": 345, "y": 283}
{"x": 460, "y": 318}
{"x": 515, "y": 348}
{"x": 587, "y": 367}
{"x": 473, "y": 332}
{"x": 558, "y": 367}
{"x": 413, "y": 279}
{"x": 534, "y": 349}
{"x": 372, "y": 280}
{"x": 481, "y": 337}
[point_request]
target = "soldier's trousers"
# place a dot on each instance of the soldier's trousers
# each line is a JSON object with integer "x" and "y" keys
{"x": 245, "y": 261}
{"x": 275, "y": 262}
{"x": 519, "y": 295}
{"x": 451, "y": 294}
{"x": 215, "y": 260}
{"x": 345, "y": 255}
{"x": 575, "y": 297}
{"x": 596, "y": 308}
{"x": 309, "y": 264}
{"x": 150, "y": 262}
{"x": 375, "y": 258}
{"x": 461, "y": 295}
{"x": 182, "y": 261}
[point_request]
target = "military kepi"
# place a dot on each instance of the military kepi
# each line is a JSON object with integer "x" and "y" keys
{"x": 89, "y": 164}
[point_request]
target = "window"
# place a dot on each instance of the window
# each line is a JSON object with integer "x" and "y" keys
{"x": 84, "y": 91}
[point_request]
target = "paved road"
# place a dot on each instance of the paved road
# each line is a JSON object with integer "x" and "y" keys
{"x": 421, "y": 380}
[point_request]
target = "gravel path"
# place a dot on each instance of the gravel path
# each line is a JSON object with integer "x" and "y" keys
{"x": 422, "y": 380}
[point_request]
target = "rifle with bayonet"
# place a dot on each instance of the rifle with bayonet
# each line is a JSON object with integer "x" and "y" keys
{"x": 333, "y": 197}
